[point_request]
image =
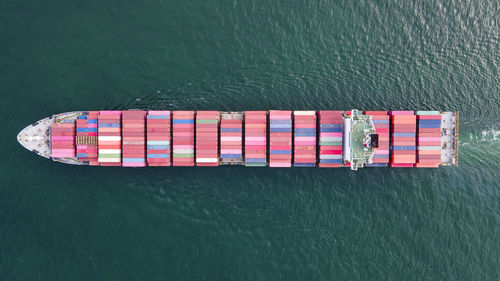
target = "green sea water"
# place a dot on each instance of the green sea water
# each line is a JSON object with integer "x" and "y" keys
{"x": 61, "y": 222}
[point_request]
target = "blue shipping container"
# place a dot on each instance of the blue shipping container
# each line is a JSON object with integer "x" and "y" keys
{"x": 156, "y": 147}
{"x": 281, "y": 126}
{"x": 133, "y": 160}
{"x": 305, "y": 134}
{"x": 184, "y": 121}
{"x": 377, "y": 165}
{"x": 305, "y": 130}
{"x": 159, "y": 155}
{"x": 280, "y": 121}
{"x": 304, "y": 165}
{"x": 403, "y": 135}
{"x": 158, "y": 117}
{"x": 280, "y": 130}
{"x": 230, "y": 130}
{"x": 331, "y": 125}
{"x": 405, "y": 147}
{"x": 331, "y": 130}
{"x": 280, "y": 152}
{"x": 330, "y": 161}
{"x": 255, "y": 160}
{"x": 230, "y": 156}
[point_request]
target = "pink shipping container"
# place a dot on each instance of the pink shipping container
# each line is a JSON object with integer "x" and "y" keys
{"x": 207, "y": 132}
{"x": 305, "y": 139}
{"x": 403, "y": 137}
{"x": 62, "y": 140}
{"x": 428, "y": 141}
{"x": 280, "y": 134}
{"x": 109, "y": 138}
{"x": 330, "y": 138}
{"x": 231, "y": 138}
{"x": 134, "y": 122}
{"x": 255, "y": 138}
{"x": 183, "y": 122}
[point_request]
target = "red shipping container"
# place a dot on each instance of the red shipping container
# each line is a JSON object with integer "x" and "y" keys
{"x": 429, "y": 117}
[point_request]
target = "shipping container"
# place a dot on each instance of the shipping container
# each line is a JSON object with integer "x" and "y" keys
{"x": 330, "y": 138}
{"x": 231, "y": 138}
{"x": 134, "y": 138}
{"x": 403, "y": 138}
{"x": 86, "y": 138}
{"x": 109, "y": 138}
{"x": 410, "y": 112}
{"x": 280, "y": 138}
{"x": 380, "y": 121}
{"x": 255, "y": 138}
{"x": 183, "y": 125}
{"x": 304, "y": 139}
{"x": 63, "y": 140}
{"x": 207, "y": 138}
{"x": 428, "y": 139}
{"x": 372, "y": 113}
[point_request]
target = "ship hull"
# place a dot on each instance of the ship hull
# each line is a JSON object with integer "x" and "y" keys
{"x": 330, "y": 139}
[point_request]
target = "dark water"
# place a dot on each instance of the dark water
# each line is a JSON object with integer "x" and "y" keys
{"x": 61, "y": 222}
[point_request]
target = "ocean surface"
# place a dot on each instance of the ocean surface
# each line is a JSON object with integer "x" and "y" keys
{"x": 60, "y": 222}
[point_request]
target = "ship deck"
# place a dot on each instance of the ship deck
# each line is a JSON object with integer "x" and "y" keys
{"x": 449, "y": 138}
{"x": 360, "y": 130}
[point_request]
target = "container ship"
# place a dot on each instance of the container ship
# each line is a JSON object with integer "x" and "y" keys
{"x": 275, "y": 138}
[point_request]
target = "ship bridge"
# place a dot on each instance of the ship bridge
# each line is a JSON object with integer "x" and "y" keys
{"x": 362, "y": 138}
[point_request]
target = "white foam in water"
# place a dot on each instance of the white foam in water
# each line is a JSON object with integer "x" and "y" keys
{"x": 485, "y": 136}
{"x": 489, "y": 135}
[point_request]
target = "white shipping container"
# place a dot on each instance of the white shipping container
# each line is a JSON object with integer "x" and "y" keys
{"x": 330, "y": 156}
{"x": 109, "y": 160}
{"x": 110, "y": 151}
{"x": 109, "y": 138}
{"x": 184, "y": 150}
{"x": 304, "y": 113}
{"x": 330, "y": 138}
{"x": 207, "y": 160}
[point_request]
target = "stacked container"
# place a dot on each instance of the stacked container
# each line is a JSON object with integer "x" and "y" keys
{"x": 62, "y": 137}
{"x": 255, "y": 138}
{"x": 330, "y": 139}
{"x": 380, "y": 120}
{"x": 207, "y": 142}
{"x": 403, "y": 142}
{"x": 280, "y": 138}
{"x": 428, "y": 139}
{"x": 86, "y": 138}
{"x": 109, "y": 138}
{"x": 183, "y": 138}
{"x": 304, "y": 139}
{"x": 158, "y": 138}
{"x": 231, "y": 138}
{"x": 134, "y": 138}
